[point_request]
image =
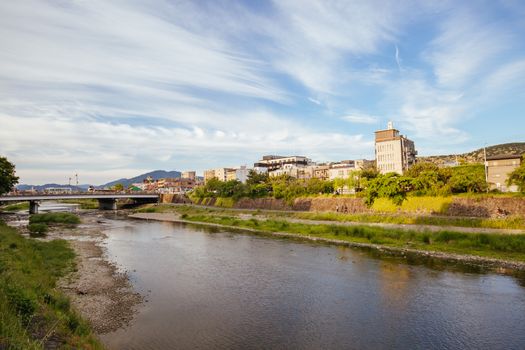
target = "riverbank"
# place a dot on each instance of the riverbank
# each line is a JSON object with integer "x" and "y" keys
{"x": 411, "y": 244}
{"x": 98, "y": 290}
{"x": 34, "y": 313}
{"x": 92, "y": 287}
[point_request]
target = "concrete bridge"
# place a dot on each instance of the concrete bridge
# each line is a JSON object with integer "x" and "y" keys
{"x": 106, "y": 201}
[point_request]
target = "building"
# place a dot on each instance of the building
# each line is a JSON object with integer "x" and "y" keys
{"x": 189, "y": 175}
{"x": 209, "y": 174}
{"x": 498, "y": 169}
{"x": 394, "y": 152}
{"x": 227, "y": 174}
{"x": 271, "y": 162}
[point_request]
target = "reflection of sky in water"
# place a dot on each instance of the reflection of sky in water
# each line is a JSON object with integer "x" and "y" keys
{"x": 225, "y": 290}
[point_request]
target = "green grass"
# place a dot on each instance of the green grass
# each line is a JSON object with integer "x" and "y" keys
{"x": 16, "y": 206}
{"x": 513, "y": 222}
{"x": 425, "y": 204}
{"x": 55, "y": 218}
{"x": 37, "y": 230}
{"x": 508, "y": 247}
{"x": 30, "y": 304}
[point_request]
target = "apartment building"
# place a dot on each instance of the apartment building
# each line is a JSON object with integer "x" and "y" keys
{"x": 498, "y": 169}
{"x": 272, "y": 162}
{"x": 209, "y": 174}
{"x": 189, "y": 175}
{"x": 394, "y": 152}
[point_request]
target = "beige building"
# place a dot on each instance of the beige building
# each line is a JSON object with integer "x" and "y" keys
{"x": 209, "y": 174}
{"x": 188, "y": 175}
{"x": 498, "y": 170}
{"x": 394, "y": 152}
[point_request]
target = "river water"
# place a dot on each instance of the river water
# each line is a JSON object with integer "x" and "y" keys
{"x": 212, "y": 289}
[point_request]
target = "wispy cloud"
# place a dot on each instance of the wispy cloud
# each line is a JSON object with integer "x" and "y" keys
{"x": 359, "y": 118}
{"x": 130, "y": 85}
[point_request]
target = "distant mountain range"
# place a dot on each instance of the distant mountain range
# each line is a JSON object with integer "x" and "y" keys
{"x": 155, "y": 175}
{"x": 477, "y": 156}
{"x": 23, "y": 187}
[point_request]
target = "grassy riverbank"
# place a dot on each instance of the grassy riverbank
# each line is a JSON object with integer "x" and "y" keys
{"x": 16, "y": 206}
{"x": 512, "y": 222}
{"x": 33, "y": 313}
{"x": 490, "y": 245}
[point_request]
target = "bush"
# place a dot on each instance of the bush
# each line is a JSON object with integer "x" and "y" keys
{"x": 55, "y": 218}
{"x": 37, "y": 230}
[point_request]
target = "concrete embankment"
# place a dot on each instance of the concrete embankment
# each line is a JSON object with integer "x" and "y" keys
{"x": 481, "y": 207}
{"x": 499, "y": 265}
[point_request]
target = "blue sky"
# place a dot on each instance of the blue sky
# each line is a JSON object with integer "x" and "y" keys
{"x": 110, "y": 89}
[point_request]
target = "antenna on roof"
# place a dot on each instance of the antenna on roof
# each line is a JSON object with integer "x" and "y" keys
{"x": 390, "y": 125}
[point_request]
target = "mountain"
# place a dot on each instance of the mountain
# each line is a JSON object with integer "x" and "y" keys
{"x": 478, "y": 155}
{"x": 157, "y": 174}
{"x": 39, "y": 188}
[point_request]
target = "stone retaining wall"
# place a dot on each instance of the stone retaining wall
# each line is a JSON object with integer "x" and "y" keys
{"x": 472, "y": 207}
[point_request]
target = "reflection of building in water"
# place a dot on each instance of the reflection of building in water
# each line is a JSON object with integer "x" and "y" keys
{"x": 394, "y": 284}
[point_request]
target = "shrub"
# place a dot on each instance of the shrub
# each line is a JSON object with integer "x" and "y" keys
{"x": 37, "y": 229}
{"x": 55, "y": 218}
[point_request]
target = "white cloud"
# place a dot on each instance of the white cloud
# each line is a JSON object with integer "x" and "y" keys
{"x": 360, "y": 118}
{"x": 465, "y": 47}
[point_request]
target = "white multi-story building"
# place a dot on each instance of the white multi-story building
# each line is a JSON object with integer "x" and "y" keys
{"x": 394, "y": 152}
{"x": 275, "y": 162}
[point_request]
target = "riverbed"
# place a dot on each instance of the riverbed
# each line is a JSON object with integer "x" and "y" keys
{"x": 207, "y": 288}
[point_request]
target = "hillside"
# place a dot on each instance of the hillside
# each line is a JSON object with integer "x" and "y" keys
{"x": 40, "y": 188}
{"x": 477, "y": 156}
{"x": 156, "y": 174}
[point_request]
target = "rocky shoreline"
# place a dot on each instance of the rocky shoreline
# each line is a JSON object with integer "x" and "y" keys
{"x": 102, "y": 294}
{"x": 483, "y": 263}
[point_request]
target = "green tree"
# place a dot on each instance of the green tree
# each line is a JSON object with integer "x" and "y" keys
{"x": 8, "y": 179}
{"x": 118, "y": 187}
{"x": 468, "y": 178}
{"x": 392, "y": 186}
{"x": 517, "y": 177}
{"x": 255, "y": 178}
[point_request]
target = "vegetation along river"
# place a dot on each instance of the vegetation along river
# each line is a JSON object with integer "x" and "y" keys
{"x": 208, "y": 288}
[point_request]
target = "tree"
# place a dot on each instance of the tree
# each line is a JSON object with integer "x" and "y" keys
{"x": 392, "y": 186}
{"x": 118, "y": 187}
{"x": 255, "y": 178}
{"x": 8, "y": 179}
{"x": 517, "y": 177}
{"x": 468, "y": 178}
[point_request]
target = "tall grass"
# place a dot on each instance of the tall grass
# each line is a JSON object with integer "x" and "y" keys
{"x": 30, "y": 304}
{"x": 414, "y": 204}
{"x": 55, "y": 218}
{"x": 513, "y": 222}
{"x": 16, "y": 206}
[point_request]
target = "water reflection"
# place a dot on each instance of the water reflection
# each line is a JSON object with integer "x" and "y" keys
{"x": 208, "y": 289}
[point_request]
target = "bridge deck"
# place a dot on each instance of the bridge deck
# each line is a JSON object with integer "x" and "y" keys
{"x": 76, "y": 196}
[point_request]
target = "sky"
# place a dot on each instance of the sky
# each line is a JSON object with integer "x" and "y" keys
{"x": 111, "y": 89}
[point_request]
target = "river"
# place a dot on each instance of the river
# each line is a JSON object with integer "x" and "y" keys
{"x": 212, "y": 289}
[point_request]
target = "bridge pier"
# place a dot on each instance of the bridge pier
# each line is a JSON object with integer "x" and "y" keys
{"x": 33, "y": 207}
{"x": 107, "y": 204}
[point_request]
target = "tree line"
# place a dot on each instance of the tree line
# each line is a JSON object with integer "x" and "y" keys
{"x": 422, "y": 179}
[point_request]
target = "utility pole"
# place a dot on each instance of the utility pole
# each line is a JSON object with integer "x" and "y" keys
{"x": 486, "y": 170}
{"x": 76, "y": 179}
{"x": 69, "y": 181}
